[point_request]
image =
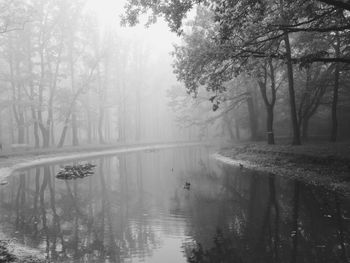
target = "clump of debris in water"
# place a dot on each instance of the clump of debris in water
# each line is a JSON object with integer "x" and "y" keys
{"x": 70, "y": 172}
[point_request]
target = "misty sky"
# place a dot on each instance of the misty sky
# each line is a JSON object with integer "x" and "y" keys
{"x": 157, "y": 36}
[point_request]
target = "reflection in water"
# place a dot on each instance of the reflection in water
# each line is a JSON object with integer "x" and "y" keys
{"x": 134, "y": 209}
{"x": 273, "y": 220}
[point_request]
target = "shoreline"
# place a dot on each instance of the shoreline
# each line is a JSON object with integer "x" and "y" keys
{"x": 14, "y": 162}
{"x": 324, "y": 165}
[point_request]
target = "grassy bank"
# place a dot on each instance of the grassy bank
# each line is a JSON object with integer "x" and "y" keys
{"x": 324, "y": 164}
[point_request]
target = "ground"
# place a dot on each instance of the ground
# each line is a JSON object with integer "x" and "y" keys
{"x": 13, "y": 252}
{"x": 323, "y": 164}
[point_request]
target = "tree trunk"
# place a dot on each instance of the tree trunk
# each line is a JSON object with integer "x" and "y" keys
{"x": 334, "y": 132}
{"x": 228, "y": 123}
{"x": 101, "y": 101}
{"x": 138, "y": 115}
{"x": 53, "y": 87}
{"x": 63, "y": 134}
{"x": 21, "y": 130}
{"x": 295, "y": 126}
{"x": 269, "y": 104}
{"x": 35, "y": 125}
{"x": 46, "y": 138}
{"x": 305, "y": 128}
{"x": 16, "y": 92}
{"x": 121, "y": 116}
{"x": 238, "y": 135}
{"x": 75, "y": 141}
{"x": 43, "y": 128}
{"x": 66, "y": 121}
{"x": 252, "y": 118}
{"x": 52, "y": 131}
{"x": 89, "y": 126}
{"x": 100, "y": 125}
{"x": 269, "y": 125}
{"x": 32, "y": 93}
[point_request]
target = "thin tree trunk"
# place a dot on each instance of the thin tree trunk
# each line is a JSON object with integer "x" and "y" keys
{"x": 228, "y": 124}
{"x": 66, "y": 121}
{"x": 75, "y": 141}
{"x": 237, "y": 132}
{"x": 305, "y": 128}
{"x": 21, "y": 130}
{"x": 100, "y": 123}
{"x": 89, "y": 126}
{"x": 16, "y": 94}
{"x": 35, "y": 122}
{"x": 334, "y": 132}
{"x": 121, "y": 114}
{"x": 44, "y": 131}
{"x": 270, "y": 135}
{"x": 101, "y": 111}
{"x": 50, "y": 119}
{"x": 63, "y": 134}
{"x": 252, "y": 118}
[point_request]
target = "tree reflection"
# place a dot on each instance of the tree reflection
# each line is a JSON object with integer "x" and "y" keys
{"x": 269, "y": 220}
{"x": 231, "y": 215}
{"x": 223, "y": 251}
{"x": 81, "y": 220}
{"x": 340, "y": 229}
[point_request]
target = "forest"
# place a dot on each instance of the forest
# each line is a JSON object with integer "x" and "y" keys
{"x": 67, "y": 81}
{"x": 246, "y": 70}
{"x": 269, "y": 68}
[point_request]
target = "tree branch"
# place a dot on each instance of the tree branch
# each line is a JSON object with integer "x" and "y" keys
{"x": 337, "y": 3}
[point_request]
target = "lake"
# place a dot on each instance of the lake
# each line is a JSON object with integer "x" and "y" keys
{"x": 173, "y": 206}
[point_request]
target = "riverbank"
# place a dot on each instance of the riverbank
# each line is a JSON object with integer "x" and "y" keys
{"x": 323, "y": 164}
{"x": 12, "y": 161}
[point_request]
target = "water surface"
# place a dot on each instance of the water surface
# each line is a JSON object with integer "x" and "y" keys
{"x": 135, "y": 209}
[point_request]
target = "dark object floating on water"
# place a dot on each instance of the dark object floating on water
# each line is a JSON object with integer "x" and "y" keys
{"x": 75, "y": 171}
{"x": 187, "y": 186}
{"x": 240, "y": 166}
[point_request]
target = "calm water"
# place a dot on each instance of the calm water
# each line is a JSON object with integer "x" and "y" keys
{"x": 135, "y": 209}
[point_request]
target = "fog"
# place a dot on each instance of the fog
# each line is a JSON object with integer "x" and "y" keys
{"x": 73, "y": 75}
{"x": 76, "y": 73}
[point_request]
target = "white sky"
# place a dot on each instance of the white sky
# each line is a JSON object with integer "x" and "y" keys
{"x": 109, "y": 12}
